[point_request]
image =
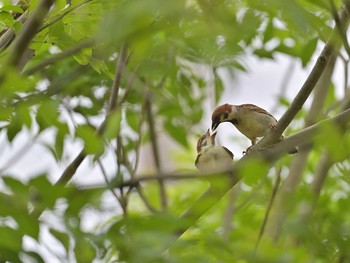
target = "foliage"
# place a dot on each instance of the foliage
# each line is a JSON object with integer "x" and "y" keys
{"x": 67, "y": 88}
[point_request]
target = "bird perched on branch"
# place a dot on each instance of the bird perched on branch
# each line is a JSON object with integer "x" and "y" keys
{"x": 212, "y": 158}
{"x": 251, "y": 120}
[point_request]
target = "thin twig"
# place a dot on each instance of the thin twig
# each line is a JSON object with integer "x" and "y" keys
{"x": 155, "y": 149}
{"x": 57, "y": 57}
{"x": 122, "y": 59}
{"x": 340, "y": 27}
{"x": 128, "y": 86}
{"x": 229, "y": 213}
{"x": 138, "y": 143}
{"x": 293, "y": 179}
{"x": 59, "y": 17}
{"x": 105, "y": 177}
{"x": 213, "y": 195}
{"x": 7, "y": 37}
{"x": 69, "y": 172}
{"x": 147, "y": 203}
{"x": 346, "y": 73}
{"x": 122, "y": 199}
{"x": 145, "y": 200}
{"x": 269, "y": 206}
{"x": 309, "y": 84}
{"x": 269, "y": 155}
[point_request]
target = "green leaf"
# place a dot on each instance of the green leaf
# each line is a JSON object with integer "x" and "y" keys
{"x": 112, "y": 125}
{"x": 62, "y": 131}
{"x": 93, "y": 143}
{"x": 84, "y": 250}
{"x": 308, "y": 51}
{"x": 23, "y": 115}
{"x": 100, "y": 66}
{"x": 83, "y": 57}
{"x": 268, "y": 33}
{"x": 252, "y": 171}
{"x": 263, "y": 53}
{"x": 178, "y": 133}
{"x": 14, "y": 8}
{"x": 15, "y": 185}
{"x": 11, "y": 239}
{"x": 6, "y": 19}
{"x": 47, "y": 114}
{"x": 35, "y": 256}
{"x": 44, "y": 192}
{"x": 62, "y": 237}
{"x": 13, "y": 129}
{"x": 28, "y": 224}
{"x": 133, "y": 118}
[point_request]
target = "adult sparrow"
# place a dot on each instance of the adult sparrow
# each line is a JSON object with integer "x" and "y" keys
{"x": 251, "y": 120}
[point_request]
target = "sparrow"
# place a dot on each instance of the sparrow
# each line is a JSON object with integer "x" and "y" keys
{"x": 210, "y": 157}
{"x": 251, "y": 120}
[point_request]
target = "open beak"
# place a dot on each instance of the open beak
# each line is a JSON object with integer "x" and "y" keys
{"x": 214, "y": 126}
{"x": 213, "y": 135}
{"x": 208, "y": 135}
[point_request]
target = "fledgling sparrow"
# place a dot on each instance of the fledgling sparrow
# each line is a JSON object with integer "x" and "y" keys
{"x": 212, "y": 158}
{"x": 251, "y": 120}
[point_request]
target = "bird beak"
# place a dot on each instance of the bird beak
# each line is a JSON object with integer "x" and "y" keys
{"x": 213, "y": 135}
{"x": 214, "y": 126}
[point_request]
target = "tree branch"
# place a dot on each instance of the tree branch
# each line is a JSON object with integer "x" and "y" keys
{"x": 214, "y": 194}
{"x": 293, "y": 179}
{"x": 122, "y": 59}
{"x": 269, "y": 206}
{"x": 73, "y": 166}
{"x": 59, "y": 17}
{"x": 28, "y": 32}
{"x": 59, "y": 56}
{"x": 269, "y": 155}
{"x": 305, "y": 91}
{"x": 6, "y": 38}
{"x": 155, "y": 149}
{"x": 340, "y": 27}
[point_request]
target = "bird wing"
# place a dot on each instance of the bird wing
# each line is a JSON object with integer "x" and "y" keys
{"x": 197, "y": 159}
{"x": 228, "y": 151}
{"x": 255, "y": 108}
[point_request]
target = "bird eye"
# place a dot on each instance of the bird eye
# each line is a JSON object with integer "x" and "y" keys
{"x": 225, "y": 115}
